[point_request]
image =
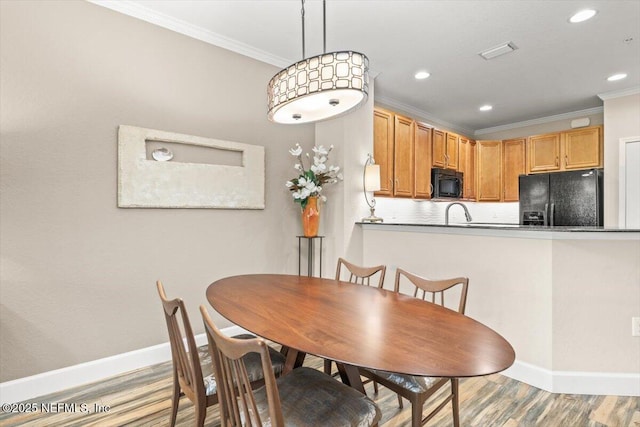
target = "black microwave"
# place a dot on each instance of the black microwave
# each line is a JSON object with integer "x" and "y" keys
{"x": 446, "y": 183}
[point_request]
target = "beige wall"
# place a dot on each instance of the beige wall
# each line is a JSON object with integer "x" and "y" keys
{"x": 621, "y": 120}
{"x": 78, "y": 274}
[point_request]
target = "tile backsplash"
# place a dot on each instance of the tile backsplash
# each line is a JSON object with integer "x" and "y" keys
{"x": 428, "y": 212}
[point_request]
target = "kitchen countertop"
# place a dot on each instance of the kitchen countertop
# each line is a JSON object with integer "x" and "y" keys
{"x": 508, "y": 230}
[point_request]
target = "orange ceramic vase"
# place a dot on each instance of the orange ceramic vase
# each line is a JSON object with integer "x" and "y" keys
{"x": 311, "y": 218}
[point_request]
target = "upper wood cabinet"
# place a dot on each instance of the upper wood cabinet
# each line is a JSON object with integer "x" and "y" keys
{"x": 582, "y": 148}
{"x": 451, "y": 159}
{"x": 422, "y": 161}
{"x": 570, "y": 150}
{"x": 445, "y": 149}
{"x": 439, "y": 141}
{"x": 513, "y": 165}
{"x": 489, "y": 185}
{"x": 403, "y": 157}
{"x": 383, "y": 134}
{"x": 466, "y": 165}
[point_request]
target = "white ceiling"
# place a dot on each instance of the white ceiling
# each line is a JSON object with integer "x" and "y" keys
{"x": 558, "y": 67}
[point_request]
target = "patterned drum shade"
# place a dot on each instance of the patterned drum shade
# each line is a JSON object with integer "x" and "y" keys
{"x": 319, "y": 88}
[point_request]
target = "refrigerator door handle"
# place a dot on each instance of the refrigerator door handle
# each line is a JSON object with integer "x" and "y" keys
{"x": 553, "y": 209}
{"x": 546, "y": 214}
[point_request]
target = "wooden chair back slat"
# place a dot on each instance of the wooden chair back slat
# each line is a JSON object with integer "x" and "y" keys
{"x": 434, "y": 287}
{"x": 360, "y": 275}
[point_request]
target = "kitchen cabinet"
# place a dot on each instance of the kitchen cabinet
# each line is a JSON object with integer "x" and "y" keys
{"x": 489, "y": 172}
{"x": 383, "y": 134}
{"x": 466, "y": 165}
{"x": 403, "y": 142}
{"x": 544, "y": 153}
{"x": 582, "y": 148}
{"x": 445, "y": 150}
{"x": 470, "y": 172}
{"x": 513, "y": 165}
{"x": 439, "y": 151}
{"x": 451, "y": 158}
{"x": 422, "y": 161}
{"x": 570, "y": 150}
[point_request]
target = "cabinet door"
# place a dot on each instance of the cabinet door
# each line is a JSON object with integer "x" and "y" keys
{"x": 513, "y": 165}
{"x": 439, "y": 150}
{"x": 383, "y": 149}
{"x": 489, "y": 171}
{"x": 467, "y": 157}
{"x": 403, "y": 157}
{"x": 452, "y": 151}
{"x": 469, "y": 177}
{"x": 544, "y": 153}
{"x": 422, "y": 162}
{"x": 582, "y": 148}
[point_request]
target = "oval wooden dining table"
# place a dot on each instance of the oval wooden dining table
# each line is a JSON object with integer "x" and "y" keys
{"x": 360, "y": 326}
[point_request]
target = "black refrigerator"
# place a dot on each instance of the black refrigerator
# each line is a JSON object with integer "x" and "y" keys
{"x": 573, "y": 198}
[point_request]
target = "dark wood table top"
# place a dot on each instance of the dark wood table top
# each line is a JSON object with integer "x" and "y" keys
{"x": 360, "y": 325}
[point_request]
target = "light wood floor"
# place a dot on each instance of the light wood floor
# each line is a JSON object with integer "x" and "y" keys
{"x": 142, "y": 398}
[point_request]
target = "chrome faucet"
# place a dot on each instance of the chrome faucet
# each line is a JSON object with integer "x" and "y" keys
{"x": 446, "y": 212}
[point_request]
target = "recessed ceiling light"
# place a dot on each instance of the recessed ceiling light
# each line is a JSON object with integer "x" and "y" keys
{"x": 616, "y": 77}
{"x": 583, "y": 15}
{"x": 486, "y": 108}
{"x": 421, "y": 75}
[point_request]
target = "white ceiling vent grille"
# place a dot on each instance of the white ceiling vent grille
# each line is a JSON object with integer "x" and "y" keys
{"x": 498, "y": 50}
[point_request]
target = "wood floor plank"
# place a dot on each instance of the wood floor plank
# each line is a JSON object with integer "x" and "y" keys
{"x": 142, "y": 398}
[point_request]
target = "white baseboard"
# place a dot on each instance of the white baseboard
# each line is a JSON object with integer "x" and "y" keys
{"x": 599, "y": 383}
{"x": 575, "y": 382}
{"x": 84, "y": 373}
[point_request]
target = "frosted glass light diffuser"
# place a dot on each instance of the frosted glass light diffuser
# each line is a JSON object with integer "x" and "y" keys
{"x": 372, "y": 178}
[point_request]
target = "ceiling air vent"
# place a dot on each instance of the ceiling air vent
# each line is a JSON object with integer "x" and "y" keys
{"x": 498, "y": 50}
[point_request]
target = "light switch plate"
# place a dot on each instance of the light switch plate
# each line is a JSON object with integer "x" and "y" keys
{"x": 635, "y": 326}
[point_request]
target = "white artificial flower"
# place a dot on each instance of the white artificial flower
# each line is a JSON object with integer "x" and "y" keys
{"x": 319, "y": 168}
{"x": 317, "y": 160}
{"x": 323, "y": 198}
{"x": 339, "y": 176}
{"x": 298, "y": 166}
{"x": 304, "y": 193}
{"x": 321, "y": 150}
{"x": 289, "y": 184}
{"x": 334, "y": 168}
{"x": 296, "y": 151}
{"x": 296, "y": 194}
{"x": 302, "y": 181}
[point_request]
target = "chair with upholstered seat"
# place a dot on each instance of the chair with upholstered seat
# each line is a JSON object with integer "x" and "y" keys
{"x": 193, "y": 375}
{"x": 414, "y": 388}
{"x": 361, "y": 275}
{"x": 302, "y": 397}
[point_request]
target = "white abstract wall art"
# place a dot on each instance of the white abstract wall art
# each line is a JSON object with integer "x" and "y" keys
{"x": 147, "y": 183}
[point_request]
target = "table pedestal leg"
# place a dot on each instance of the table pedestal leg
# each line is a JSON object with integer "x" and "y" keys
{"x": 294, "y": 359}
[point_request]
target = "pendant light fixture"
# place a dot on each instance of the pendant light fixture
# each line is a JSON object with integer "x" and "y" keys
{"x": 320, "y": 87}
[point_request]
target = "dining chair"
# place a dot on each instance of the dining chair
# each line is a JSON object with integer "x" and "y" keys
{"x": 302, "y": 397}
{"x": 193, "y": 372}
{"x": 360, "y": 275}
{"x": 418, "y": 389}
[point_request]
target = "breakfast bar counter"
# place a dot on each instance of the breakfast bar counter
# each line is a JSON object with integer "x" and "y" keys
{"x": 563, "y": 297}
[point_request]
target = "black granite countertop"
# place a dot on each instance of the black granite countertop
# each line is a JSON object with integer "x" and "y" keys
{"x": 506, "y": 226}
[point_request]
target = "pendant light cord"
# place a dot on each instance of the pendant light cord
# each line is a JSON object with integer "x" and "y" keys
{"x": 302, "y": 13}
{"x": 324, "y": 26}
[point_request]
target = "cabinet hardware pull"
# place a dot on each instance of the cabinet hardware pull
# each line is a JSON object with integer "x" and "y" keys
{"x": 556, "y": 160}
{"x": 566, "y": 160}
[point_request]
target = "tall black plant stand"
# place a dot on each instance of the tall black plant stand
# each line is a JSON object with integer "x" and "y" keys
{"x": 311, "y": 241}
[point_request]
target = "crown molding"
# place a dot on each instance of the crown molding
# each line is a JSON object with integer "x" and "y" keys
{"x": 619, "y": 93}
{"x": 394, "y": 104}
{"x": 541, "y": 120}
{"x": 145, "y": 14}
